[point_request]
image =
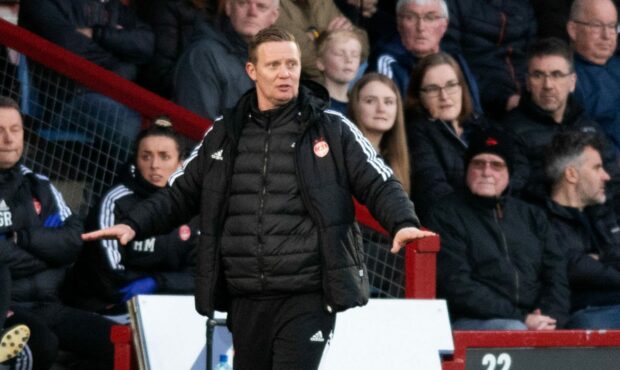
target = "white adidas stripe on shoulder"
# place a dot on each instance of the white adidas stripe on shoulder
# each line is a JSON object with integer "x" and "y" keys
{"x": 63, "y": 209}
{"x": 384, "y": 65}
{"x": 371, "y": 155}
{"x": 107, "y": 219}
{"x": 181, "y": 170}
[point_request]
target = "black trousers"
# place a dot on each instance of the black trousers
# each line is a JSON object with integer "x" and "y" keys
{"x": 84, "y": 334}
{"x": 287, "y": 333}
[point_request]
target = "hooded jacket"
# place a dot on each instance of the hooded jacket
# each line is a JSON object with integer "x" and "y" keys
{"x": 39, "y": 236}
{"x": 498, "y": 259}
{"x": 334, "y": 162}
{"x": 210, "y": 75}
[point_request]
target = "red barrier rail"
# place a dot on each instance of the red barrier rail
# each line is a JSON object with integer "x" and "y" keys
{"x": 101, "y": 80}
{"x": 420, "y": 259}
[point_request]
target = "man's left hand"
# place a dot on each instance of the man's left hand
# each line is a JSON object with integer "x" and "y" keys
{"x": 407, "y": 235}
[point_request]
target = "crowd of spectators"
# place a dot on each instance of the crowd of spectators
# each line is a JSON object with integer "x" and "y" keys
{"x": 506, "y": 139}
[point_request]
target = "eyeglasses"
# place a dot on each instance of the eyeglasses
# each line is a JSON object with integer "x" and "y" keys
{"x": 598, "y": 26}
{"x": 423, "y": 18}
{"x": 481, "y": 164}
{"x": 433, "y": 91}
{"x": 539, "y": 76}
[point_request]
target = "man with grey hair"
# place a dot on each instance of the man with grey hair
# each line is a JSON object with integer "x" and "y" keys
{"x": 591, "y": 240}
{"x": 421, "y": 25}
{"x": 592, "y": 28}
{"x": 210, "y": 76}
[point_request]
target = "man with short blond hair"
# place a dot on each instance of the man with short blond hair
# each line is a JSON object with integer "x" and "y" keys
{"x": 275, "y": 177}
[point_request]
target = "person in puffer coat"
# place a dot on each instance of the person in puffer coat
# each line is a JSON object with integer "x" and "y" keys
{"x": 273, "y": 181}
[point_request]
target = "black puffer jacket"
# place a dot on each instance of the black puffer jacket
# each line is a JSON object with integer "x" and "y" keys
{"x": 493, "y": 36}
{"x": 48, "y": 235}
{"x": 594, "y": 282}
{"x": 498, "y": 259}
{"x": 438, "y": 159}
{"x": 120, "y": 41}
{"x": 333, "y": 162}
{"x": 256, "y": 237}
{"x": 534, "y": 129}
{"x": 104, "y": 266}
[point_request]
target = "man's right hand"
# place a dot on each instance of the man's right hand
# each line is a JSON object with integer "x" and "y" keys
{"x": 121, "y": 232}
{"x": 537, "y": 321}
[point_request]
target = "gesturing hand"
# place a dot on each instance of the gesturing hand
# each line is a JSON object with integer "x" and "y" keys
{"x": 406, "y": 235}
{"x": 121, "y": 232}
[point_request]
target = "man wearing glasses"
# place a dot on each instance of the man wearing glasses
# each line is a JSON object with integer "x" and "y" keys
{"x": 421, "y": 25}
{"x": 593, "y": 31}
{"x": 547, "y": 108}
{"x": 499, "y": 266}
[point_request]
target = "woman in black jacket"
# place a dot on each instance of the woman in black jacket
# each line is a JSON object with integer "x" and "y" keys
{"x": 108, "y": 274}
{"x": 439, "y": 118}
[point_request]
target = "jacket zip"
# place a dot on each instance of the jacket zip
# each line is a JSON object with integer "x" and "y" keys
{"x": 497, "y": 215}
{"x": 451, "y": 131}
{"x": 261, "y": 208}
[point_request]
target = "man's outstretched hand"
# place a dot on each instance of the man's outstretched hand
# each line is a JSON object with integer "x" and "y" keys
{"x": 121, "y": 232}
{"x": 406, "y": 235}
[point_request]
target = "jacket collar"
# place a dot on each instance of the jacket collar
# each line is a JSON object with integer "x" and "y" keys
{"x": 485, "y": 203}
{"x": 311, "y": 101}
{"x": 132, "y": 178}
{"x": 572, "y": 113}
